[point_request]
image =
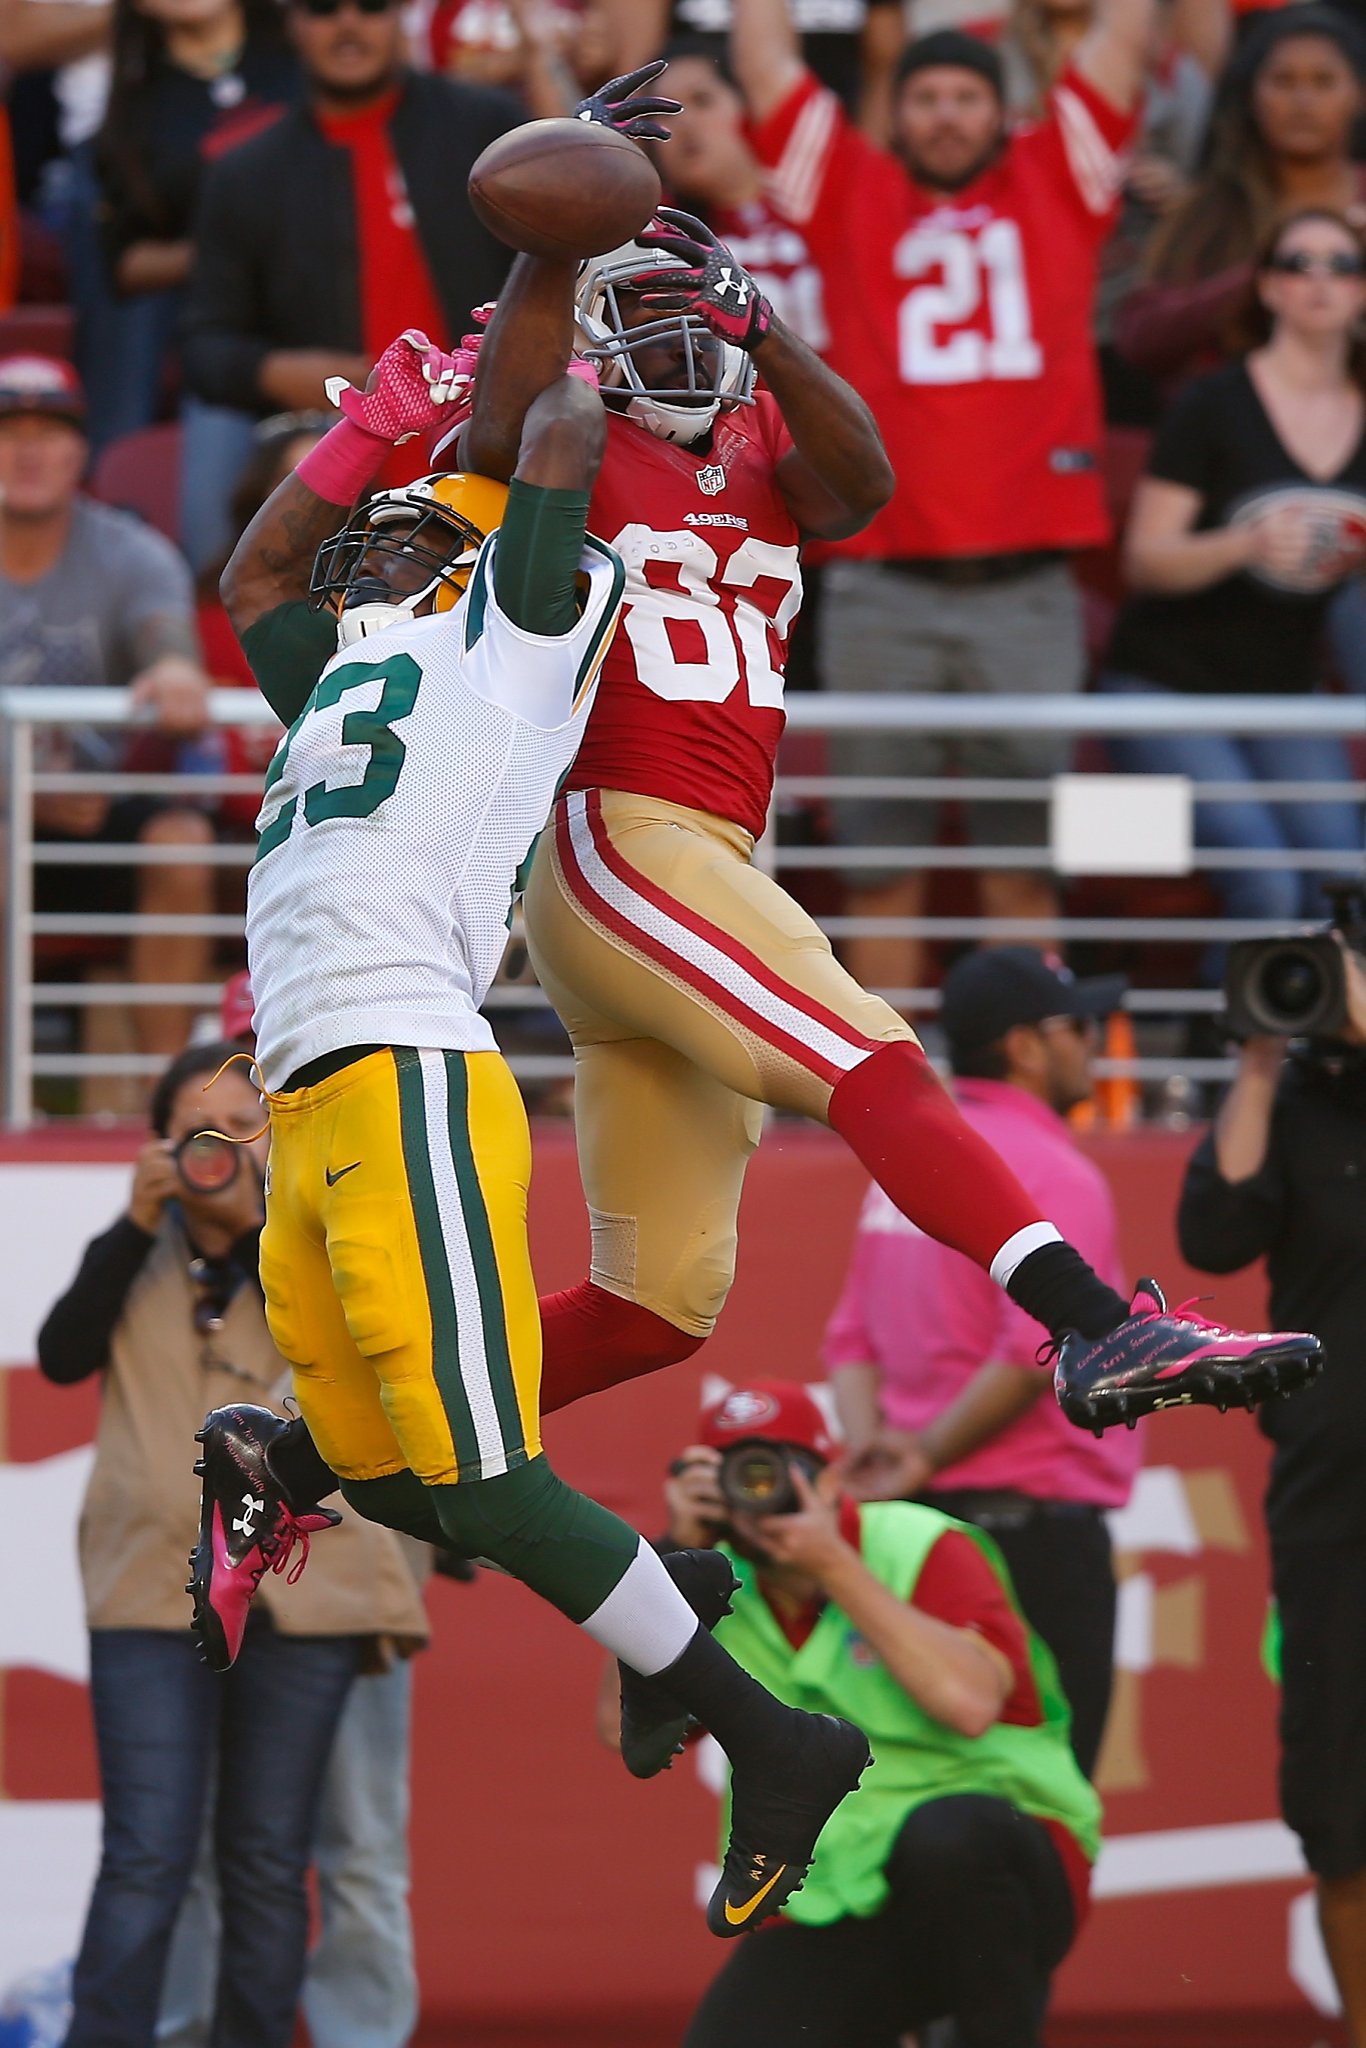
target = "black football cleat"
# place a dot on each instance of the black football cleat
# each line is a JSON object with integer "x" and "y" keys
{"x": 246, "y": 1527}
{"x": 1171, "y": 1358}
{"x": 776, "y": 1814}
{"x": 654, "y": 1727}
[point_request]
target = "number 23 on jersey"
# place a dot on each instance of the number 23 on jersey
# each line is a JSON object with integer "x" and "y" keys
{"x": 373, "y": 729}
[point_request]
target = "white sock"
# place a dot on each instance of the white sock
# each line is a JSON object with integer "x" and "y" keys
{"x": 644, "y": 1620}
{"x": 1016, "y": 1249}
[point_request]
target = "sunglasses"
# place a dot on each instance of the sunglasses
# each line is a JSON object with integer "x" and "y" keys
{"x": 1300, "y": 263}
{"x": 322, "y": 8}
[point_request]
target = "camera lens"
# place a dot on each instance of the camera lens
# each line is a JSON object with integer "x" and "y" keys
{"x": 759, "y": 1476}
{"x": 207, "y": 1163}
{"x": 1291, "y": 987}
{"x": 755, "y": 1479}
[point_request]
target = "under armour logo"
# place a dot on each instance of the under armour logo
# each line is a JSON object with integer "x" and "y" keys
{"x": 244, "y": 1526}
{"x": 732, "y": 281}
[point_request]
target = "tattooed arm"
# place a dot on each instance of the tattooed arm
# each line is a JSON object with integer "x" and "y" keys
{"x": 265, "y": 591}
{"x": 272, "y": 564}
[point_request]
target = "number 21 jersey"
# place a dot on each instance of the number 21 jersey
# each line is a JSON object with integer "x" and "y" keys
{"x": 964, "y": 320}
{"x": 690, "y": 702}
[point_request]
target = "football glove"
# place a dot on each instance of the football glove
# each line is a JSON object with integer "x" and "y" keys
{"x": 614, "y": 106}
{"x": 714, "y": 286}
{"x": 409, "y": 388}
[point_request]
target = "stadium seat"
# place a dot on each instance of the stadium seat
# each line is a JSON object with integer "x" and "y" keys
{"x": 140, "y": 472}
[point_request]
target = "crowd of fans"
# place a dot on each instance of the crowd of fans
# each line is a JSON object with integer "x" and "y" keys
{"x": 224, "y": 203}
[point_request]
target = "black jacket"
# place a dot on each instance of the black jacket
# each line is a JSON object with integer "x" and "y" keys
{"x": 276, "y": 257}
{"x": 1306, "y": 1211}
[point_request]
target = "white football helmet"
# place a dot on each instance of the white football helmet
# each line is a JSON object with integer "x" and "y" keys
{"x": 719, "y": 376}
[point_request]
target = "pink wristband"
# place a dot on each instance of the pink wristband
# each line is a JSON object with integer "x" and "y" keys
{"x": 343, "y": 463}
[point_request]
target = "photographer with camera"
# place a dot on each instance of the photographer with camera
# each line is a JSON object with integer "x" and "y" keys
{"x": 1282, "y": 1173}
{"x": 167, "y": 1307}
{"x": 955, "y": 1882}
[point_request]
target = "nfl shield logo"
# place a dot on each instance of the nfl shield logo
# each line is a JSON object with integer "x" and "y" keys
{"x": 712, "y": 479}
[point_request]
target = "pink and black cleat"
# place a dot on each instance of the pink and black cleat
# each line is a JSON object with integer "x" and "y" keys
{"x": 1170, "y": 1358}
{"x": 246, "y": 1527}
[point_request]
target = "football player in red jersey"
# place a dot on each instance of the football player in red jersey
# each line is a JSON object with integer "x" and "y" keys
{"x": 693, "y": 988}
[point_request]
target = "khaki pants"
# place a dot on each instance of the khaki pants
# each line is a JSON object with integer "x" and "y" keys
{"x": 694, "y": 989}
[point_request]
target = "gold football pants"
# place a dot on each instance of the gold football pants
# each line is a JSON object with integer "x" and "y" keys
{"x": 395, "y": 1265}
{"x": 694, "y": 990}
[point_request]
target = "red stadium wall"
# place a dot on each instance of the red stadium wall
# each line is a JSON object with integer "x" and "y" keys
{"x": 554, "y": 1896}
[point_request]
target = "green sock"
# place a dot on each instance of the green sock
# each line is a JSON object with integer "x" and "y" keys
{"x": 555, "y": 1540}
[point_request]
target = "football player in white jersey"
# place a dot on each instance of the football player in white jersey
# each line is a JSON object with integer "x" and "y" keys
{"x": 454, "y": 642}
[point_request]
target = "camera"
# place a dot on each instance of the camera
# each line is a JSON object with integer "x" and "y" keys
{"x": 755, "y": 1477}
{"x": 1296, "y": 987}
{"x": 206, "y": 1162}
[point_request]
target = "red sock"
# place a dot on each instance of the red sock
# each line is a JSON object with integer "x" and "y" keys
{"x": 594, "y": 1339}
{"x": 895, "y": 1115}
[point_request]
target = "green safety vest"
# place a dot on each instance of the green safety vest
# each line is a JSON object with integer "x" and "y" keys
{"x": 915, "y": 1757}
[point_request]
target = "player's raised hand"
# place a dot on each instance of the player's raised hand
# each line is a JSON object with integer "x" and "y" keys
{"x": 614, "y": 105}
{"x": 713, "y": 285}
{"x": 408, "y": 390}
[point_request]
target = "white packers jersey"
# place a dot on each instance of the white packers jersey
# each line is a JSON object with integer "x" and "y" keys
{"x": 398, "y": 810}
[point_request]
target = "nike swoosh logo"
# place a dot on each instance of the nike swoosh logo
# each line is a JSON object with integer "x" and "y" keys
{"x": 340, "y": 1174}
{"x": 737, "y": 1916}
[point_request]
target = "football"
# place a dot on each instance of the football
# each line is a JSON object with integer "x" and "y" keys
{"x": 564, "y": 188}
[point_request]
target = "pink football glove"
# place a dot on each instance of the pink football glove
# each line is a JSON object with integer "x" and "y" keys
{"x": 411, "y": 386}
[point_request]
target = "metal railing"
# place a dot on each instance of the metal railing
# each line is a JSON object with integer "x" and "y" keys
{"x": 23, "y": 712}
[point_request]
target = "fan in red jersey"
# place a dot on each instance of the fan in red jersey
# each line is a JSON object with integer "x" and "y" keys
{"x": 960, "y": 269}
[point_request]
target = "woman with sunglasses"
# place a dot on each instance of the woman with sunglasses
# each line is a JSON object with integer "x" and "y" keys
{"x": 166, "y": 1309}
{"x": 1252, "y": 517}
{"x": 1280, "y": 141}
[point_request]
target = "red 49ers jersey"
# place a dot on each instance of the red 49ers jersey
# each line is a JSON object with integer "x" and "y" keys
{"x": 690, "y": 698}
{"x": 964, "y": 320}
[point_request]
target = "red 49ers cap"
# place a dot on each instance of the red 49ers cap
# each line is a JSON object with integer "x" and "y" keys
{"x": 41, "y": 384}
{"x": 771, "y": 1411}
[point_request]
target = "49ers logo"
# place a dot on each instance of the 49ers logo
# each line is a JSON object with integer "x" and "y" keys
{"x": 745, "y": 1409}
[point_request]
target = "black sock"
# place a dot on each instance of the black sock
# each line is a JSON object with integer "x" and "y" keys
{"x": 1056, "y": 1286}
{"x": 300, "y": 1467}
{"x": 707, "y": 1682}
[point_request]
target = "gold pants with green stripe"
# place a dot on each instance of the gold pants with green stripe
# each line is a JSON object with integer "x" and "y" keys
{"x": 395, "y": 1265}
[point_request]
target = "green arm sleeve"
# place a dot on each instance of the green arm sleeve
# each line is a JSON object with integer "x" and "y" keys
{"x": 536, "y": 561}
{"x": 288, "y": 649}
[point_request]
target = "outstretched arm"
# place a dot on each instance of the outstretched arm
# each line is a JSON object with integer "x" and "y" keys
{"x": 836, "y": 476}
{"x": 765, "y": 53}
{"x": 540, "y": 542}
{"x": 525, "y": 351}
{"x": 1115, "y": 52}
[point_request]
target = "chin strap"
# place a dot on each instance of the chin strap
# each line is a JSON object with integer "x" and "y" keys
{"x": 682, "y": 425}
